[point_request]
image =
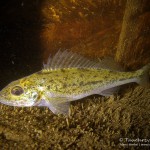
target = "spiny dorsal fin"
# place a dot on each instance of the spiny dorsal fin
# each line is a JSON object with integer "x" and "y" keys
{"x": 68, "y": 59}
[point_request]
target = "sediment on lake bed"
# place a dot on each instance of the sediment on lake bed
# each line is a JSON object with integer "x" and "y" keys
{"x": 95, "y": 122}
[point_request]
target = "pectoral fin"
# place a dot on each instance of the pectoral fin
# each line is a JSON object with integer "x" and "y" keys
{"x": 58, "y": 105}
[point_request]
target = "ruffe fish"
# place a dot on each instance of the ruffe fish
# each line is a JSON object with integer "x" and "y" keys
{"x": 68, "y": 77}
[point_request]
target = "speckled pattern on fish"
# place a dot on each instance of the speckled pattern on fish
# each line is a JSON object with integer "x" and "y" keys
{"x": 67, "y": 77}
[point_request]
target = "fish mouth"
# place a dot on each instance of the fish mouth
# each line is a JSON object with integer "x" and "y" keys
{"x": 3, "y": 100}
{"x": 2, "y": 97}
{"x": 6, "y": 102}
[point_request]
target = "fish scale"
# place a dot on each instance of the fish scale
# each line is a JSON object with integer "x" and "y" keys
{"x": 68, "y": 81}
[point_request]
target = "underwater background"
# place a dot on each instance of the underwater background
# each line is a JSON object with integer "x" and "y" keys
{"x": 32, "y": 30}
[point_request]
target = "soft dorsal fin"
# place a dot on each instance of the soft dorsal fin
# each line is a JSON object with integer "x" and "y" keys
{"x": 68, "y": 59}
{"x": 110, "y": 63}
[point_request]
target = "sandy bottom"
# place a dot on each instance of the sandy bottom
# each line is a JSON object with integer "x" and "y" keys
{"x": 95, "y": 123}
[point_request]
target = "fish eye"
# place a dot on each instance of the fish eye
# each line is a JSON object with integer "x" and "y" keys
{"x": 17, "y": 90}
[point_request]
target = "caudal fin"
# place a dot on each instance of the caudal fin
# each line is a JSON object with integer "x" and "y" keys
{"x": 144, "y": 77}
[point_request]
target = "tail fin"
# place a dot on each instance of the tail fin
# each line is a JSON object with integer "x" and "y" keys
{"x": 144, "y": 77}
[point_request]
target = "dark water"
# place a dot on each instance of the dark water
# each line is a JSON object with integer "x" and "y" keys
{"x": 31, "y": 30}
{"x": 19, "y": 40}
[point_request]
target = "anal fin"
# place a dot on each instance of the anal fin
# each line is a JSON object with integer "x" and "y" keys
{"x": 110, "y": 91}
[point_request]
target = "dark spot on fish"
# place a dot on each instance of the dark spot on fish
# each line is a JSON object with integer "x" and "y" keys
{"x": 56, "y": 88}
{"x": 48, "y": 86}
{"x": 73, "y": 84}
{"x": 51, "y": 81}
{"x": 64, "y": 85}
{"x": 105, "y": 77}
{"x": 81, "y": 75}
{"x": 25, "y": 84}
{"x": 81, "y": 83}
{"x": 90, "y": 83}
{"x": 100, "y": 81}
{"x": 23, "y": 80}
{"x": 95, "y": 76}
{"x": 110, "y": 71}
{"x": 39, "y": 96}
{"x": 121, "y": 79}
{"x": 94, "y": 82}
{"x": 34, "y": 96}
{"x": 62, "y": 70}
{"x": 56, "y": 75}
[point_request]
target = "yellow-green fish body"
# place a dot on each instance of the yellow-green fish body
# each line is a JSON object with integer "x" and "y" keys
{"x": 73, "y": 82}
{"x": 67, "y": 77}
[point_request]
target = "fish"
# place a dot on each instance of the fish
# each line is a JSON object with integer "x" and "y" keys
{"x": 67, "y": 77}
